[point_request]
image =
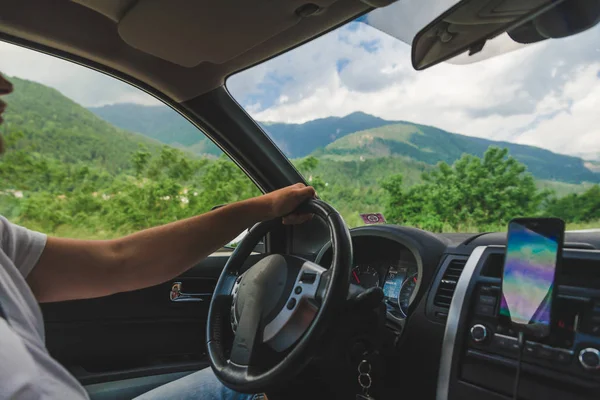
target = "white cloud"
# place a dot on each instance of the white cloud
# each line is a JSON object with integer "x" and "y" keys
{"x": 574, "y": 130}
{"x": 83, "y": 85}
{"x": 510, "y": 97}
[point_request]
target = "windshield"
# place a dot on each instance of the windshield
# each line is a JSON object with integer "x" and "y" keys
{"x": 454, "y": 148}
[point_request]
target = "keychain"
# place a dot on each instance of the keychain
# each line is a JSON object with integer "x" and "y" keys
{"x": 364, "y": 380}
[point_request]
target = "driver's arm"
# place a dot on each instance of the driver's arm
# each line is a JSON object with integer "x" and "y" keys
{"x": 76, "y": 269}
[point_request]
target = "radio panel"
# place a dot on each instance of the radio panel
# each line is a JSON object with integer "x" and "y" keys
{"x": 573, "y": 345}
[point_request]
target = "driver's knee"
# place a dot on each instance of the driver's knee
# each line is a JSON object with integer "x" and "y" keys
{"x": 201, "y": 385}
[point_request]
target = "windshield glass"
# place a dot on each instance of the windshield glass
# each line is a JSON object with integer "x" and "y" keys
{"x": 452, "y": 148}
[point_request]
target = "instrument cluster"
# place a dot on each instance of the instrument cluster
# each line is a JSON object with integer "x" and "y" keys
{"x": 397, "y": 278}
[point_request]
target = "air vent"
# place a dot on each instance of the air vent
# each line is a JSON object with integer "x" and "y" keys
{"x": 445, "y": 291}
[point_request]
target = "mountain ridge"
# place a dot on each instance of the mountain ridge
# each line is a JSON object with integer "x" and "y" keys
{"x": 432, "y": 145}
{"x": 158, "y": 122}
{"x": 331, "y": 137}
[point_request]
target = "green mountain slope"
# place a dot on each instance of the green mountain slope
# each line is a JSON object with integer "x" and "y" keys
{"x": 299, "y": 140}
{"x": 347, "y": 138}
{"x": 432, "y": 145}
{"x": 57, "y": 127}
{"x": 296, "y": 140}
{"x": 158, "y": 122}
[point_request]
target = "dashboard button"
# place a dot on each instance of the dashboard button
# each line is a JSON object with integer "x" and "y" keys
{"x": 513, "y": 346}
{"x": 485, "y": 289}
{"x": 506, "y": 343}
{"x": 546, "y": 353}
{"x": 487, "y": 300}
{"x": 500, "y": 341}
{"x": 308, "y": 277}
{"x": 563, "y": 356}
{"x": 291, "y": 303}
{"x": 298, "y": 289}
{"x": 504, "y": 330}
{"x": 479, "y": 333}
{"x": 485, "y": 310}
{"x": 590, "y": 359}
{"x": 530, "y": 349}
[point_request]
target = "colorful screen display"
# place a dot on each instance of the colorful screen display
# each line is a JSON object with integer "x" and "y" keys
{"x": 393, "y": 282}
{"x": 528, "y": 277}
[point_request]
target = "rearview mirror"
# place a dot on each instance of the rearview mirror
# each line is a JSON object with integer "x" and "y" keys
{"x": 471, "y": 23}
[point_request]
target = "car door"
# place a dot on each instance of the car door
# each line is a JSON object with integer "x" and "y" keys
{"x": 122, "y": 345}
{"x": 101, "y": 172}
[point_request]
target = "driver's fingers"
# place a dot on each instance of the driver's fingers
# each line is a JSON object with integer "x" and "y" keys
{"x": 294, "y": 219}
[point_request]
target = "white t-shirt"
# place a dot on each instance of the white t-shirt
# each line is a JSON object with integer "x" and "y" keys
{"x": 27, "y": 371}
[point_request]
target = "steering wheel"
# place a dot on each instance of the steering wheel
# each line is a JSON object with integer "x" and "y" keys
{"x": 282, "y": 302}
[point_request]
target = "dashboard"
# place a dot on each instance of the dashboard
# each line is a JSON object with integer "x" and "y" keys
{"x": 397, "y": 278}
{"x": 441, "y": 296}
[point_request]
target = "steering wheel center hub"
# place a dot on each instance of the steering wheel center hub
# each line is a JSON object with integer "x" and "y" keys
{"x": 268, "y": 283}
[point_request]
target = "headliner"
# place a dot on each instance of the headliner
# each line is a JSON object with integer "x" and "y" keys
{"x": 181, "y": 48}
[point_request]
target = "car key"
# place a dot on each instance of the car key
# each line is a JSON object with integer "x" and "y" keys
{"x": 364, "y": 380}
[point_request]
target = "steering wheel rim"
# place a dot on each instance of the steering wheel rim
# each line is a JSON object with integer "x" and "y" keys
{"x": 329, "y": 289}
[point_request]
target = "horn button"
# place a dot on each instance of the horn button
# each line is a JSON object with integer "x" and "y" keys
{"x": 285, "y": 313}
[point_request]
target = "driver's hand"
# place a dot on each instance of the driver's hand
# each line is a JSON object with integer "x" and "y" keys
{"x": 283, "y": 201}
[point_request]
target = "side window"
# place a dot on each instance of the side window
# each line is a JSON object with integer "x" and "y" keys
{"x": 88, "y": 156}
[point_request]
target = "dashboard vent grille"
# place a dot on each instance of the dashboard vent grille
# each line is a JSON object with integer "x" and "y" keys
{"x": 443, "y": 296}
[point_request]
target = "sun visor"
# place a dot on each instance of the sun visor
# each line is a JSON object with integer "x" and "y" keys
{"x": 188, "y": 33}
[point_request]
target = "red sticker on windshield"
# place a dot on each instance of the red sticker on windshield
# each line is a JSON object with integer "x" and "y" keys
{"x": 373, "y": 218}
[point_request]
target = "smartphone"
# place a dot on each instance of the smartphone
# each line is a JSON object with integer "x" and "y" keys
{"x": 532, "y": 261}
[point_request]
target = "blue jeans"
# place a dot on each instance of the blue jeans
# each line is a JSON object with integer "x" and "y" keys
{"x": 201, "y": 385}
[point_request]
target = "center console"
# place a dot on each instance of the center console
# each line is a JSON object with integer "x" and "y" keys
{"x": 479, "y": 357}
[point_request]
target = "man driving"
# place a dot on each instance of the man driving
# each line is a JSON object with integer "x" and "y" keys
{"x": 35, "y": 268}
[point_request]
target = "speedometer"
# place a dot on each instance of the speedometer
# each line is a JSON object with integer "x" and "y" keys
{"x": 406, "y": 291}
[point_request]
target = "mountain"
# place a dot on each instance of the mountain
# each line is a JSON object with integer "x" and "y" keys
{"x": 296, "y": 140}
{"x": 432, "y": 145}
{"x": 55, "y": 126}
{"x": 350, "y": 137}
{"x": 158, "y": 122}
{"x": 299, "y": 140}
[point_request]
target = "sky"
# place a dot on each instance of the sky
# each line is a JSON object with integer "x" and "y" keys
{"x": 546, "y": 94}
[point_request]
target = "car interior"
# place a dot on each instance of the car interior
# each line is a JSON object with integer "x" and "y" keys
{"x": 435, "y": 335}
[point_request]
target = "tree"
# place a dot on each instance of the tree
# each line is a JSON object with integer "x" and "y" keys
{"x": 308, "y": 167}
{"x": 477, "y": 193}
{"x": 584, "y": 207}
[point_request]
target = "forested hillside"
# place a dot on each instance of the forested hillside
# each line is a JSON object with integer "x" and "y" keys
{"x": 158, "y": 122}
{"x": 299, "y": 140}
{"x": 354, "y": 137}
{"x": 67, "y": 172}
{"x": 55, "y": 126}
{"x": 431, "y": 145}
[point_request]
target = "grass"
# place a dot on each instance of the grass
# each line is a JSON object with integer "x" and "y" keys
{"x": 583, "y": 225}
{"x": 562, "y": 189}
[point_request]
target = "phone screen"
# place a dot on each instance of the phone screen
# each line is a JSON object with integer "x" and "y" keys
{"x": 532, "y": 255}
